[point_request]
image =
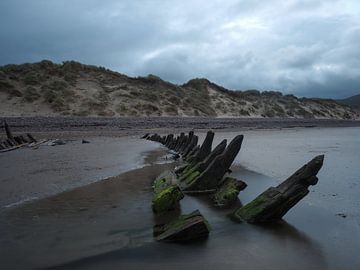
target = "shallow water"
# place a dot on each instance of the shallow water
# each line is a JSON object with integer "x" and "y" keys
{"x": 103, "y": 216}
{"x": 108, "y": 224}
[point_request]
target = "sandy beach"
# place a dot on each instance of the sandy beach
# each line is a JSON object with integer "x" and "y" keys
{"x": 29, "y": 174}
{"x": 70, "y": 127}
{"x": 180, "y": 135}
{"x": 87, "y": 206}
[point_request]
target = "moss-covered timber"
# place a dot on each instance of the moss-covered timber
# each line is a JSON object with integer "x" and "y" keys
{"x": 202, "y": 165}
{"x": 228, "y": 191}
{"x": 184, "y": 228}
{"x": 211, "y": 177}
{"x": 275, "y": 202}
{"x": 167, "y": 199}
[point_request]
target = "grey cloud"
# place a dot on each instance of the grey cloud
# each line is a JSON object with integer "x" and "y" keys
{"x": 303, "y": 47}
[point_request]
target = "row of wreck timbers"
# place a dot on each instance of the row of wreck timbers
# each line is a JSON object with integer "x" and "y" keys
{"x": 206, "y": 171}
{"x": 12, "y": 142}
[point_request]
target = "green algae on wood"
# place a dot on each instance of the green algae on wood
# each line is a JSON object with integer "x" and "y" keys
{"x": 188, "y": 177}
{"x": 191, "y": 178}
{"x": 228, "y": 191}
{"x": 202, "y": 165}
{"x": 167, "y": 199}
{"x": 164, "y": 180}
{"x": 275, "y": 202}
{"x": 211, "y": 177}
{"x": 180, "y": 169}
{"x": 184, "y": 228}
{"x": 250, "y": 211}
{"x": 160, "y": 184}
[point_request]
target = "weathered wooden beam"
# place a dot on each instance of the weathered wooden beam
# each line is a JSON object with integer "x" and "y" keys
{"x": 13, "y": 148}
{"x": 168, "y": 139}
{"x": 180, "y": 141}
{"x": 191, "y": 146}
{"x": 195, "y": 170}
{"x": 23, "y": 140}
{"x": 275, "y": 202}
{"x": 228, "y": 191}
{"x": 184, "y": 228}
{"x": 8, "y": 131}
{"x": 6, "y": 144}
{"x": 11, "y": 142}
{"x": 186, "y": 142}
{"x": 17, "y": 139}
{"x": 204, "y": 150}
{"x": 211, "y": 177}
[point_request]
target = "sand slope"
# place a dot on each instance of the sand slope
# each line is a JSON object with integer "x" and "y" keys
{"x": 71, "y": 88}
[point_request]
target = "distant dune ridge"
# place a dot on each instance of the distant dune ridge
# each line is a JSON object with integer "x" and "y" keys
{"x": 74, "y": 89}
{"x": 353, "y": 101}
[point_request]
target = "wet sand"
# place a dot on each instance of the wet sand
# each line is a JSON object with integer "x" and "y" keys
{"x": 108, "y": 224}
{"x": 125, "y": 126}
{"x": 28, "y": 174}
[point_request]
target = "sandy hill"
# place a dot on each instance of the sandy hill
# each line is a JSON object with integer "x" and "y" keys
{"x": 353, "y": 101}
{"x": 71, "y": 88}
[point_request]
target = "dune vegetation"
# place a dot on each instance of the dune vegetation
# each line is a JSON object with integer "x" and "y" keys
{"x": 74, "y": 89}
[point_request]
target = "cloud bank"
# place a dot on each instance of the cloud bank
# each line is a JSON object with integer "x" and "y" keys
{"x": 308, "y": 48}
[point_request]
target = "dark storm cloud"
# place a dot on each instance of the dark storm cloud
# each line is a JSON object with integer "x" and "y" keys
{"x": 304, "y": 47}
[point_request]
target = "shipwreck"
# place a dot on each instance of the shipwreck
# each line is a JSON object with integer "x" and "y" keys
{"x": 205, "y": 170}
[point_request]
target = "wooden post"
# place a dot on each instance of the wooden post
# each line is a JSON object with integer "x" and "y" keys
{"x": 6, "y": 144}
{"x": 10, "y": 142}
{"x": 17, "y": 139}
{"x": 32, "y": 139}
{"x": 23, "y": 140}
{"x": 8, "y": 131}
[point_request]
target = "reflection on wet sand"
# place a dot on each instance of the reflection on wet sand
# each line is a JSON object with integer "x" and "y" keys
{"x": 280, "y": 246}
{"x": 96, "y": 218}
{"x": 109, "y": 224}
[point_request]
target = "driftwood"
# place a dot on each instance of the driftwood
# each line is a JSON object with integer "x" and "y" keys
{"x": 13, "y": 148}
{"x": 36, "y": 144}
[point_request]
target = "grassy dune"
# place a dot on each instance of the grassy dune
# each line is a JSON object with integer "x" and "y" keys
{"x": 75, "y": 89}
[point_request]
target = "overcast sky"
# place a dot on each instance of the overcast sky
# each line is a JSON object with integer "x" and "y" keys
{"x": 308, "y": 48}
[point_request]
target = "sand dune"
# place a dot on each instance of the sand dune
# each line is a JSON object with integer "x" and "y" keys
{"x": 74, "y": 89}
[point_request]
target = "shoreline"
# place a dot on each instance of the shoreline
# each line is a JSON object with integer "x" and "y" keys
{"x": 135, "y": 126}
{"x": 50, "y": 170}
